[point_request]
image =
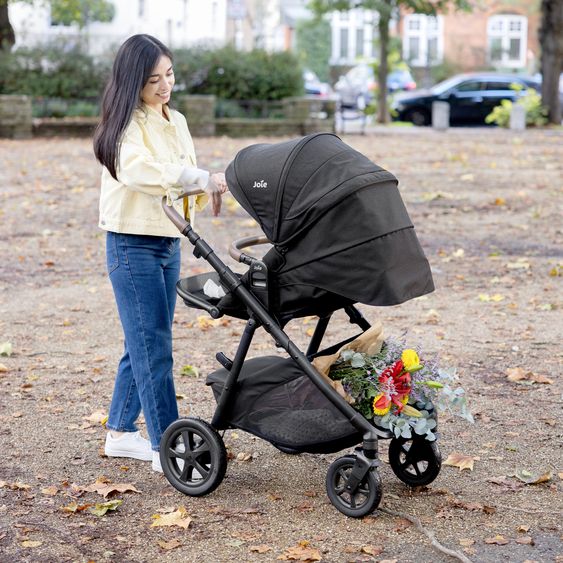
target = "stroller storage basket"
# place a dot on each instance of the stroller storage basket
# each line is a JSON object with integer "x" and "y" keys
{"x": 275, "y": 400}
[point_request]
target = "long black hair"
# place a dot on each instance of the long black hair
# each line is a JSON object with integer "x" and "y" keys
{"x": 131, "y": 70}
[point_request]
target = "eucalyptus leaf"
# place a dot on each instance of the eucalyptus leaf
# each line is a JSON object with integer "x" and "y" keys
{"x": 347, "y": 354}
{"x": 406, "y": 432}
{"x": 357, "y": 361}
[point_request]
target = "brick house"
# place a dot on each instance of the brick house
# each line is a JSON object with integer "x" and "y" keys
{"x": 497, "y": 34}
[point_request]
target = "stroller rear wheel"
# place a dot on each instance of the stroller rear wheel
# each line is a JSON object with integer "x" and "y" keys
{"x": 193, "y": 456}
{"x": 415, "y": 461}
{"x": 364, "y": 500}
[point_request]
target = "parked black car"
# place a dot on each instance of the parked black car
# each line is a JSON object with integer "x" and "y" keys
{"x": 471, "y": 97}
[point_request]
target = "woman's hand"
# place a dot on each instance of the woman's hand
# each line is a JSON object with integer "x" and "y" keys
{"x": 219, "y": 179}
{"x": 215, "y": 188}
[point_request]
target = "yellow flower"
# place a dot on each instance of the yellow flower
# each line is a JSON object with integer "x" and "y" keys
{"x": 410, "y": 359}
{"x": 381, "y": 405}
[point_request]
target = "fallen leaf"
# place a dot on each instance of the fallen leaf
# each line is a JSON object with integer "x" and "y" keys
{"x": 456, "y": 459}
{"x": 3, "y": 368}
{"x": 520, "y": 264}
{"x": 168, "y": 545}
{"x": 31, "y": 543}
{"x": 525, "y": 540}
{"x": 519, "y": 374}
{"x": 5, "y": 348}
{"x": 301, "y": 552}
{"x": 178, "y": 518}
{"x": 101, "y": 508}
{"x": 51, "y": 491}
{"x": 505, "y": 484}
{"x": 523, "y": 528}
{"x": 531, "y": 479}
{"x": 74, "y": 507}
{"x": 103, "y": 487}
{"x": 374, "y": 550}
{"x": 96, "y": 417}
{"x": 466, "y": 542}
{"x": 189, "y": 371}
{"x": 497, "y": 540}
{"x": 16, "y": 486}
{"x": 262, "y": 548}
{"x": 495, "y": 298}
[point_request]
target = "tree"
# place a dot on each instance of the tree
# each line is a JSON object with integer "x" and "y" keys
{"x": 7, "y": 36}
{"x": 551, "y": 42}
{"x": 313, "y": 45}
{"x": 66, "y": 12}
{"x": 386, "y": 9}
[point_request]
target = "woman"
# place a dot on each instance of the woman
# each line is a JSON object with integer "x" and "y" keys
{"x": 147, "y": 152}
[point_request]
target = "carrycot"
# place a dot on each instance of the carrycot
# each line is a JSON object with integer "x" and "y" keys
{"x": 339, "y": 229}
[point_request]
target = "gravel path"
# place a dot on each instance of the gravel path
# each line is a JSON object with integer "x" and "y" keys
{"x": 487, "y": 205}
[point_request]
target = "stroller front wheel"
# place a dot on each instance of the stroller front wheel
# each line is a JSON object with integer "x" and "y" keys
{"x": 193, "y": 456}
{"x": 364, "y": 500}
{"x": 416, "y": 461}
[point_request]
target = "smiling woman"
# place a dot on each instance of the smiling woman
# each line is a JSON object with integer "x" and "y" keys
{"x": 147, "y": 152}
{"x": 157, "y": 90}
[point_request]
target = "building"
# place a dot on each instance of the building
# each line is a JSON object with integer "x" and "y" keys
{"x": 497, "y": 34}
{"x": 181, "y": 24}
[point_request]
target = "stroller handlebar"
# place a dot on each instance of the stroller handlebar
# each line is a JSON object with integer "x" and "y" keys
{"x": 239, "y": 244}
{"x": 173, "y": 215}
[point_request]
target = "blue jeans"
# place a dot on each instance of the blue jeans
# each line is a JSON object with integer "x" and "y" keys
{"x": 143, "y": 271}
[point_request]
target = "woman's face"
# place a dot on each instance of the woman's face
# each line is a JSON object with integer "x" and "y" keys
{"x": 158, "y": 88}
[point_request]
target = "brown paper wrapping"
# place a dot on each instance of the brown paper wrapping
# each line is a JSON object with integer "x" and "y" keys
{"x": 369, "y": 342}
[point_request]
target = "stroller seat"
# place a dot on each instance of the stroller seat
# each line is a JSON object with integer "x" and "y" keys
{"x": 191, "y": 291}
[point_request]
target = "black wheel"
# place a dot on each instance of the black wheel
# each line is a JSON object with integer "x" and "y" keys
{"x": 193, "y": 456}
{"x": 418, "y": 116}
{"x": 416, "y": 461}
{"x": 364, "y": 500}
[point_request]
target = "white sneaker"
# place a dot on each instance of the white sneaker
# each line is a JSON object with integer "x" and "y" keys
{"x": 129, "y": 444}
{"x": 156, "y": 466}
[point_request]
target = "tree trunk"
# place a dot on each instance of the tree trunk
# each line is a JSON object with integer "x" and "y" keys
{"x": 551, "y": 41}
{"x": 7, "y": 36}
{"x": 383, "y": 25}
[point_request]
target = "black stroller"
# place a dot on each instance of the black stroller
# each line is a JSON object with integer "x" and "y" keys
{"x": 340, "y": 235}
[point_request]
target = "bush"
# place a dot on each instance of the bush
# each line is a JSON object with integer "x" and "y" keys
{"x": 53, "y": 70}
{"x": 237, "y": 75}
{"x": 536, "y": 114}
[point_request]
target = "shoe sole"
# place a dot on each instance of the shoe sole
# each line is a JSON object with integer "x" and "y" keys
{"x": 132, "y": 455}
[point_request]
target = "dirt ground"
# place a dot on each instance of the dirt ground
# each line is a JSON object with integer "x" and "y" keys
{"x": 487, "y": 206}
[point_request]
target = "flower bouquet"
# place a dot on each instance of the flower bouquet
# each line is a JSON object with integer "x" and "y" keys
{"x": 397, "y": 389}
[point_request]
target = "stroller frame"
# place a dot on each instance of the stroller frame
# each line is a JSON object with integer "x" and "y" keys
{"x": 352, "y": 475}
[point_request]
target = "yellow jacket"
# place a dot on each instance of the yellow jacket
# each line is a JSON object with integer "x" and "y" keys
{"x": 154, "y": 154}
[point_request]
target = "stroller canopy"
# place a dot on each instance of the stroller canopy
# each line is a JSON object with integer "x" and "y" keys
{"x": 287, "y": 186}
{"x": 337, "y": 221}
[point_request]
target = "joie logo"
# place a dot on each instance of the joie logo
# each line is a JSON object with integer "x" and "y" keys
{"x": 260, "y": 184}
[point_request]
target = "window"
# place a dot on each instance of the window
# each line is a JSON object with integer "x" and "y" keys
{"x": 507, "y": 40}
{"x": 469, "y": 86}
{"x": 343, "y": 43}
{"x": 352, "y": 36}
{"x": 423, "y": 40}
{"x": 498, "y": 85}
{"x": 360, "y": 42}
